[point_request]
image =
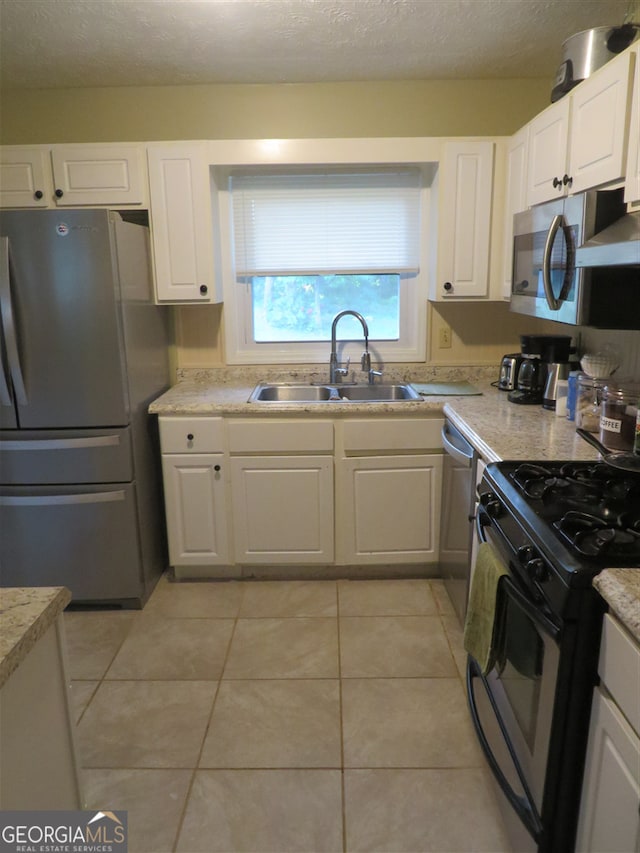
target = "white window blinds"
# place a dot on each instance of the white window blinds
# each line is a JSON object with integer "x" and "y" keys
{"x": 326, "y": 223}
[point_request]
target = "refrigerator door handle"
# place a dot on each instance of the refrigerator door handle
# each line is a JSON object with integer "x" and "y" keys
{"x": 48, "y": 500}
{"x": 61, "y": 443}
{"x": 5, "y": 394}
{"x": 8, "y": 325}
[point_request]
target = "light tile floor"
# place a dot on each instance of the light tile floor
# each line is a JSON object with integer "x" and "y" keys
{"x": 279, "y": 716}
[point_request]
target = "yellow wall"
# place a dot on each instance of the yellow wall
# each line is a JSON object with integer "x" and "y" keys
{"x": 480, "y": 333}
{"x": 402, "y": 108}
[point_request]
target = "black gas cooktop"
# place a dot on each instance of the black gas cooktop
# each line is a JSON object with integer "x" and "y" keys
{"x": 590, "y": 510}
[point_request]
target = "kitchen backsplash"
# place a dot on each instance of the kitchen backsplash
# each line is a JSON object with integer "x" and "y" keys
{"x": 628, "y": 344}
{"x": 395, "y": 372}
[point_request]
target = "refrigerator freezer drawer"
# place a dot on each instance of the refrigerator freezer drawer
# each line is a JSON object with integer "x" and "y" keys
{"x": 84, "y": 538}
{"x": 41, "y": 457}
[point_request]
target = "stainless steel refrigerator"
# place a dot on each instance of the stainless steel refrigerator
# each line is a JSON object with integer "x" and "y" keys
{"x": 83, "y": 352}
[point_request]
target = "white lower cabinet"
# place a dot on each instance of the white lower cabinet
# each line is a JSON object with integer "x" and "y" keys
{"x": 194, "y": 466}
{"x": 260, "y": 491}
{"x": 386, "y": 508}
{"x": 610, "y": 810}
{"x": 282, "y": 509}
{"x": 388, "y": 483}
{"x": 196, "y": 509}
{"x": 282, "y": 490}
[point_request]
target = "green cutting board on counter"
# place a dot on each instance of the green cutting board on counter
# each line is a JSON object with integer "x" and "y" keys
{"x": 449, "y": 389}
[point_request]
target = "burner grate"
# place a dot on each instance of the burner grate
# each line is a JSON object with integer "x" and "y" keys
{"x": 592, "y": 508}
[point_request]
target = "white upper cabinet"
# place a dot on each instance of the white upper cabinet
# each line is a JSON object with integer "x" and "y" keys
{"x": 464, "y": 222}
{"x": 185, "y": 257}
{"x": 632, "y": 182}
{"x": 547, "y": 167}
{"x": 25, "y": 176}
{"x": 515, "y": 198}
{"x": 599, "y": 125}
{"x": 72, "y": 176}
{"x": 580, "y": 142}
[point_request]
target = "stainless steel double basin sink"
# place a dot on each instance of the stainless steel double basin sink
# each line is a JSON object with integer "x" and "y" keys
{"x": 301, "y": 393}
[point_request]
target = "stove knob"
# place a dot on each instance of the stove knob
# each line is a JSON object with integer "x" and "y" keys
{"x": 526, "y": 553}
{"x": 494, "y": 508}
{"x": 537, "y": 569}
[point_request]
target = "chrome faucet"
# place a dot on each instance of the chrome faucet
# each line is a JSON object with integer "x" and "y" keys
{"x": 334, "y": 370}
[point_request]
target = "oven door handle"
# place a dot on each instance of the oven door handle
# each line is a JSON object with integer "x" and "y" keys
{"x": 523, "y": 806}
{"x": 532, "y": 611}
{"x": 480, "y": 525}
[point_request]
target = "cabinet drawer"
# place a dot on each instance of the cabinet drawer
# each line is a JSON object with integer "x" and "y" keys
{"x": 280, "y": 436}
{"x": 620, "y": 669}
{"x": 392, "y": 434}
{"x": 191, "y": 435}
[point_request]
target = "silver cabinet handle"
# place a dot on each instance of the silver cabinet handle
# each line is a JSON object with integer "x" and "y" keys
{"x": 8, "y": 325}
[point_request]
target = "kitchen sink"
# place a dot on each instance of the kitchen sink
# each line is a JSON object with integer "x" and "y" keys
{"x": 377, "y": 393}
{"x": 291, "y": 393}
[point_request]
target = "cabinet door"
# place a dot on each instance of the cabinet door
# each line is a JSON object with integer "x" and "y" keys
{"x": 388, "y": 509}
{"x": 599, "y": 125}
{"x": 609, "y": 816}
{"x": 97, "y": 175}
{"x": 282, "y": 509}
{"x": 25, "y": 176}
{"x": 195, "y": 504}
{"x": 181, "y": 223}
{"x": 465, "y": 221}
{"x": 632, "y": 181}
{"x": 515, "y": 198}
{"x": 548, "y": 139}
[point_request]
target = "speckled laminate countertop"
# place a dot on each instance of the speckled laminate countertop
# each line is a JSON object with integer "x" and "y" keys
{"x": 26, "y": 613}
{"x": 497, "y": 428}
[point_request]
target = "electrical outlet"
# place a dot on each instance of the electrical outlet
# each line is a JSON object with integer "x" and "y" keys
{"x": 444, "y": 340}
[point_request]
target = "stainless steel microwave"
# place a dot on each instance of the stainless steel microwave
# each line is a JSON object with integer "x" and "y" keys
{"x": 548, "y": 283}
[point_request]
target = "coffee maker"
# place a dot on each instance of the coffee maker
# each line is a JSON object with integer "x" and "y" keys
{"x": 539, "y": 352}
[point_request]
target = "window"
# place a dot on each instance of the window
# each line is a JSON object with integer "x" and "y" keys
{"x": 302, "y": 247}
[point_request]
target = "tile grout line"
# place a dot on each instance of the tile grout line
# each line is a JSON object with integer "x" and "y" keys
{"x": 206, "y": 730}
{"x": 340, "y": 708}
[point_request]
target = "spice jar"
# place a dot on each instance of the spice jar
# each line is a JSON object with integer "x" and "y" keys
{"x": 619, "y": 415}
{"x": 588, "y": 403}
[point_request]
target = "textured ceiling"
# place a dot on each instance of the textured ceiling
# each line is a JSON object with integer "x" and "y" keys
{"x": 77, "y": 43}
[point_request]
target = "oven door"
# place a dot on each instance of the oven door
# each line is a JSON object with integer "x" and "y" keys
{"x": 545, "y": 282}
{"x": 512, "y": 706}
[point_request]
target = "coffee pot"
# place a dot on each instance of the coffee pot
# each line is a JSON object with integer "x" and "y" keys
{"x": 531, "y": 380}
{"x": 542, "y": 356}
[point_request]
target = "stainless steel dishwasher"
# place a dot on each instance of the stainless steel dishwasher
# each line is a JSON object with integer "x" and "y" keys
{"x": 456, "y": 515}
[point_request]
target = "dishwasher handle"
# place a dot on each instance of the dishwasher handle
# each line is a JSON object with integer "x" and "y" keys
{"x": 463, "y": 455}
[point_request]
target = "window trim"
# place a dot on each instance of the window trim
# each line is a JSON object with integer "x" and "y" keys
{"x": 241, "y": 349}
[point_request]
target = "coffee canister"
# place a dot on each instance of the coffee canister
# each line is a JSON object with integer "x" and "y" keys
{"x": 619, "y": 415}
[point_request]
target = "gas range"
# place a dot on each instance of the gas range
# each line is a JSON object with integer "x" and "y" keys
{"x": 552, "y": 527}
{"x": 565, "y": 521}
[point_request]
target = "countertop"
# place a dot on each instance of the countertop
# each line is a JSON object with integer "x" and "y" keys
{"x": 25, "y": 616}
{"x": 620, "y": 588}
{"x": 497, "y": 428}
